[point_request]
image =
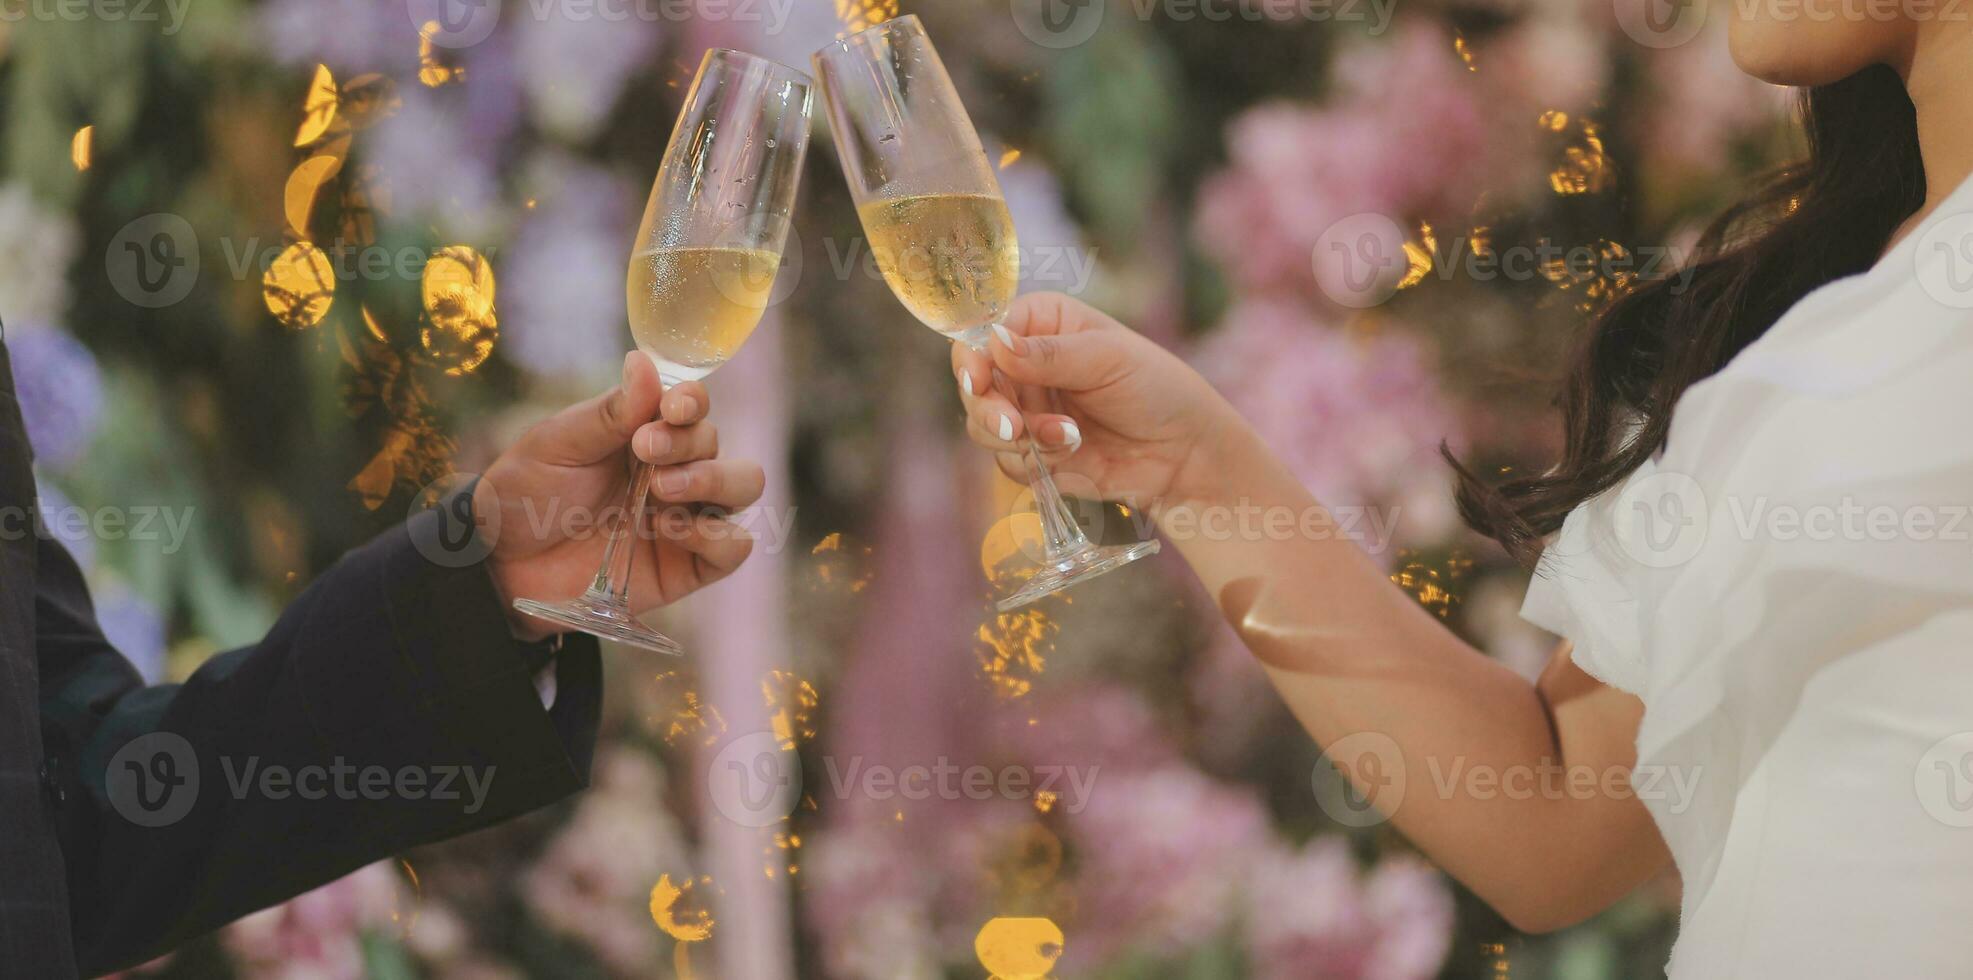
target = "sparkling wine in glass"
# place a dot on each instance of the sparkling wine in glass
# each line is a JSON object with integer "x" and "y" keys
{"x": 941, "y": 235}
{"x": 701, "y": 274}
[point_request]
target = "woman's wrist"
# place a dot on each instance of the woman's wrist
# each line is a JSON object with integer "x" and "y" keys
{"x": 1226, "y": 465}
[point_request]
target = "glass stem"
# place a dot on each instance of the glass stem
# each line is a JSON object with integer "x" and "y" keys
{"x": 612, "y": 583}
{"x": 1061, "y": 534}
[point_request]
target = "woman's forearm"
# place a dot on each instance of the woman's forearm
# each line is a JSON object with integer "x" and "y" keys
{"x": 1517, "y": 789}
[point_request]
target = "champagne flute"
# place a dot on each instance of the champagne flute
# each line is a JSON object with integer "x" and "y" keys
{"x": 942, "y": 237}
{"x": 701, "y": 274}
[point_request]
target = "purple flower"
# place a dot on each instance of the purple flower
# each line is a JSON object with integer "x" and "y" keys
{"x": 60, "y": 389}
{"x": 350, "y": 36}
{"x": 434, "y": 166}
{"x": 37, "y": 244}
{"x": 572, "y": 69}
{"x": 135, "y": 628}
{"x": 67, "y": 524}
{"x": 564, "y": 275}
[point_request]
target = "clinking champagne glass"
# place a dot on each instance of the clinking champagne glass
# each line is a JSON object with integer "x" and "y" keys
{"x": 942, "y": 237}
{"x": 701, "y": 273}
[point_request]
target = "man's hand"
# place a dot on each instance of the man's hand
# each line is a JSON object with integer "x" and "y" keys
{"x": 558, "y": 487}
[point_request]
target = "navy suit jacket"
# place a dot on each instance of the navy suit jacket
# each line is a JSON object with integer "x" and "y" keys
{"x": 126, "y": 826}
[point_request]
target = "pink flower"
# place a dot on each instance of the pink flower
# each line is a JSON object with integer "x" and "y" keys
{"x": 1160, "y": 858}
{"x": 1704, "y": 103}
{"x": 1405, "y": 137}
{"x": 318, "y": 936}
{"x": 1358, "y": 420}
{"x": 594, "y": 880}
{"x": 1309, "y": 917}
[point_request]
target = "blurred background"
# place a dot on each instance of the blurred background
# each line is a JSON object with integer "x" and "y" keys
{"x": 278, "y": 267}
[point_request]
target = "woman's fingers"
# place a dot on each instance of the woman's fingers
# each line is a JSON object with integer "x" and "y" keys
{"x": 662, "y": 443}
{"x": 728, "y": 483}
{"x": 973, "y": 369}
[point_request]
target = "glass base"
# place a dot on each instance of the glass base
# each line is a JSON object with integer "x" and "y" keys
{"x": 600, "y": 617}
{"x": 1078, "y": 567}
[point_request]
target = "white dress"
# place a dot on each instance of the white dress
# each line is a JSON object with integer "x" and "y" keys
{"x": 1788, "y": 588}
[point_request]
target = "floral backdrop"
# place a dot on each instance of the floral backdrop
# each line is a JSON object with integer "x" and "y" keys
{"x": 276, "y": 267}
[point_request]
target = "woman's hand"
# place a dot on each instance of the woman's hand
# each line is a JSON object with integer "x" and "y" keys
{"x": 1136, "y": 421}
{"x": 556, "y": 490}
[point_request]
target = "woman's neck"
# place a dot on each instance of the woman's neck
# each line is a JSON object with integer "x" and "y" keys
{"x": 1938, "y": 75}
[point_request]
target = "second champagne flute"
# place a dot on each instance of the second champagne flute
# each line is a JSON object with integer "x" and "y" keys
{"x": 942, "y": 237}
{"x": 701, "y": 271}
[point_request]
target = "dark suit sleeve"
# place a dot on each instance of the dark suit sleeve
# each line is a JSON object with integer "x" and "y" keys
{"x": 389, "y": 672}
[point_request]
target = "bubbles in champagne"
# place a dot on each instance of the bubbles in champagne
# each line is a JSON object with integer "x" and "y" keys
{"x": 950, "y": 258}
{"x": 692, "y": 307}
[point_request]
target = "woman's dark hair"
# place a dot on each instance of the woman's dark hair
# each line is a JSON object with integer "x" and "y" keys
{"x": 1826, "y": 217}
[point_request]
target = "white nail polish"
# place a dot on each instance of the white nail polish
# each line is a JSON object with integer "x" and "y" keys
{"x": 966, "y": 380}
{"x": 1006, "y": 429}
{"x": 1071, "y": 435}
{"x": 1005, "y": 337}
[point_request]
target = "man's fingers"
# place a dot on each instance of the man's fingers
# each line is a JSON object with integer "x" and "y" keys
{"x": 728, "y": 483}
{"x": 686, "y": 403}
{"x": 591, "y": 430}
{"x": 663, "y": 443}
{"x": 706, "y": 548}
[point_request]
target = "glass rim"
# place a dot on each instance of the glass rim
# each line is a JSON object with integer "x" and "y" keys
{"x": 737, "y": 56}
{"x": 847, "y": 41}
